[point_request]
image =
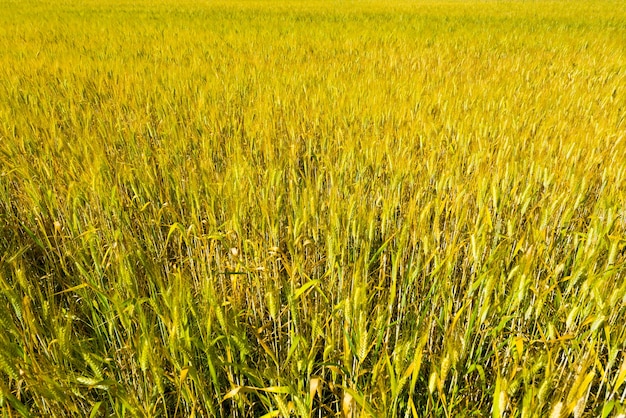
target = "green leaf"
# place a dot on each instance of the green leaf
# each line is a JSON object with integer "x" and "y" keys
{"x": 304, "y": 288}
{"x": 95, "y": 409}
{"x": 608, "y": 407}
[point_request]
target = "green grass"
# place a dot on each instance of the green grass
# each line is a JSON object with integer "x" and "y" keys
{"x": 313, "y": 209}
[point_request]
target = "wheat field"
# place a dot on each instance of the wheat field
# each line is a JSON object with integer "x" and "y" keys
{"x": 314, "y": 209}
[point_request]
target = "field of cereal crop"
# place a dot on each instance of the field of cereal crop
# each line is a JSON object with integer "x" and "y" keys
{"x": 329, "y": 208}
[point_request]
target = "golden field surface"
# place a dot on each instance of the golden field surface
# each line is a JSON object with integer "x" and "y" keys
{"x": 332, "y": 208}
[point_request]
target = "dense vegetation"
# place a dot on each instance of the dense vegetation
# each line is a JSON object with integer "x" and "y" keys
{"x": 313, "y": 209}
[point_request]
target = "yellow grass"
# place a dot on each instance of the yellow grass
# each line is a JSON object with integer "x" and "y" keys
{"x": 315, "y": 209}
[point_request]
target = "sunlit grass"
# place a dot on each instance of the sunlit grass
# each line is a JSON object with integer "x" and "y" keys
{"x": 339, "y": 208}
